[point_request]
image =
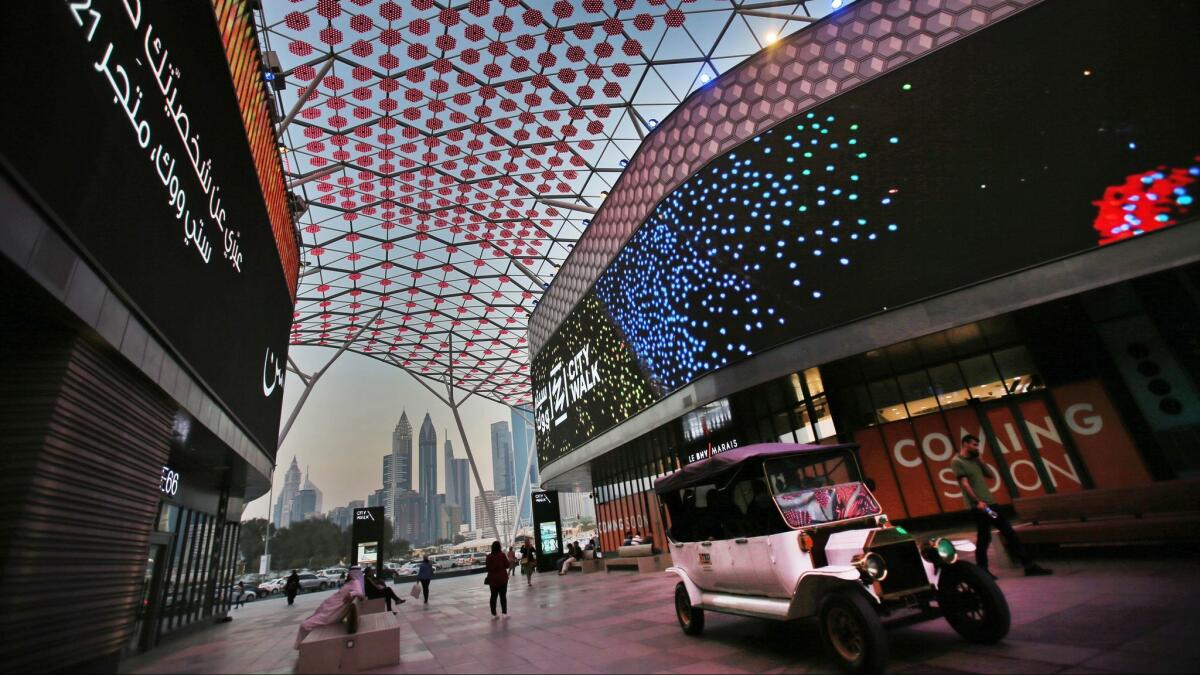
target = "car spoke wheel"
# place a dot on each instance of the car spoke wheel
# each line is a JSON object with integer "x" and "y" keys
{"x": 691, "y": 619}
{"x": 852, "y": 633}
{"x": 972, "y": 603}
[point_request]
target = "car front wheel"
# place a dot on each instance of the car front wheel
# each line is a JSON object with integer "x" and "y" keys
{"x": 321, "y": 586}
{"x": 972, "y": 603}
{"x": 691, "y": 619}
{"x": 853, "y": 634}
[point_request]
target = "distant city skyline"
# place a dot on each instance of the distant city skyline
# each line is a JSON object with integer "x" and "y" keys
{"x": 347, "y": 424}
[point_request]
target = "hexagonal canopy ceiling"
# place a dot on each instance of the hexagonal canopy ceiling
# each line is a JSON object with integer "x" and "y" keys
{"x": 448, "y": 155}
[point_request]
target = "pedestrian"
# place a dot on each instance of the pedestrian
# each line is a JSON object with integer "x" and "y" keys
{"x": 512, "y": 562}
{"x": 972, "y": 474}
{"x": 291, "y": 587}
{"x": 497, "y": 579}
{"x": 425, "y": 575}
{"x": 528, "y": 562}
{"x": 240, "y": 595}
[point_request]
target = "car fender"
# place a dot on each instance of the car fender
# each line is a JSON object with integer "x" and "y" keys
{"x": 693, "y": 590}
{"x": 815, "y": 585}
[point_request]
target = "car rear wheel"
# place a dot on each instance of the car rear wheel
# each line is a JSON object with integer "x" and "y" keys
{"x": 972, "y": 603}
{"x": 853, "y": 634}
{"x": 691, "y": 619}
{"x": 321, "y": 586}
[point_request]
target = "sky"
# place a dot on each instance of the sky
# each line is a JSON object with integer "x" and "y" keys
{"x": 345, "y": 427}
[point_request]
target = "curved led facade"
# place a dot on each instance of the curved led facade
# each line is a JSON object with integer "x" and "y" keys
{"x": 979, "y": 160}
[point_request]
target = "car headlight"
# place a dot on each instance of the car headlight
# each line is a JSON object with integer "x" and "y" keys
{"x": 940, "y": 551}
{"x": 872, "y": 566}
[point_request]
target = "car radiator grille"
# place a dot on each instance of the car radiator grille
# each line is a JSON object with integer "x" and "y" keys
{"x": 905, "y": 569}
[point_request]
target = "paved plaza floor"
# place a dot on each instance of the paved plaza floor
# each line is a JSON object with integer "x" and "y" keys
{"x": 1092, "y": 616}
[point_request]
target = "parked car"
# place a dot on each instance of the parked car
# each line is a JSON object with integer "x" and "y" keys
{"x": 252, "y": 592}
{"x": 442, "y": 561}
{"x": 273, "y": 586}
{"x": 310, "y": 582}
{"x": 332, "y": 576}
{"x": 784, "y": 531}
{"x": 408, "y": 570}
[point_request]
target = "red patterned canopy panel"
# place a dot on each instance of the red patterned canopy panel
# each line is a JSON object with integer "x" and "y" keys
{"x": 450, "y": 154}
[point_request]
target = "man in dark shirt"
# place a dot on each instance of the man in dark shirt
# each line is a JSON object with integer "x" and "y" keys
{"x": 972, "y": 475}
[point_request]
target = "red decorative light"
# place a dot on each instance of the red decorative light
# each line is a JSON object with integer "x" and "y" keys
{"x": 1145, "y": 202}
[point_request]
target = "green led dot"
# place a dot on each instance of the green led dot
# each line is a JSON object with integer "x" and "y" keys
{"x": 906, "y": 87}
{"x": 853, "y": 127}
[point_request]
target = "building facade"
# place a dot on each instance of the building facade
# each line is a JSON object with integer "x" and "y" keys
{"x": 828, "y": 279}
{"x": 483, "y": 517}
{"x": 141, "y": 380}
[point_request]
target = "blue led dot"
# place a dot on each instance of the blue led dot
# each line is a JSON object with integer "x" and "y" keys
{"x": 893, "y": 140}
{"x": 816, "y": 294}
{"x": 892, "y": 227}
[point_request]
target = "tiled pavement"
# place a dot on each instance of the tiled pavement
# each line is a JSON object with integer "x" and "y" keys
{"x": 1093, "y": 616}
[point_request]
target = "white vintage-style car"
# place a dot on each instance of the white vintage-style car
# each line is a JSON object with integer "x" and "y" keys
{"x": 785, "y": 531}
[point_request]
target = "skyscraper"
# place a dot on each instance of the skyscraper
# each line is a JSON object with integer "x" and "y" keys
{"x": 397, "y": 467}
{"x": 502, "y": 460}
{"x": 306, "y": 503}
{"x": 291, "y": 485}
{"x": 427, "y": 447}
{"x": 524, "y": 454}
{"x": 458, "y": 486}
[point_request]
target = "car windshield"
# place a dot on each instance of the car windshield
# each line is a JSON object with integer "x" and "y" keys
{"x": 826, "y": 504}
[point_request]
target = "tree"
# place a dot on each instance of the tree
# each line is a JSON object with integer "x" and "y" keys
{"x": 253, "y": 539}
{"x": 309, "y": 543}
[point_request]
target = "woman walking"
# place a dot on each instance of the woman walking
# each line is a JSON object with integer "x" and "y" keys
{"x": 425, "y": 575}
{"x": 291, "y": 587}
{"x": 512, "y": 562}
{"x": 528, "y": 562}
{"x": 497, "y": 578}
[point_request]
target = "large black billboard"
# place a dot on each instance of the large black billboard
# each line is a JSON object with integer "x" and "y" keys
{"x": 122, "y": 121}
{"x": 1056, "y": 131}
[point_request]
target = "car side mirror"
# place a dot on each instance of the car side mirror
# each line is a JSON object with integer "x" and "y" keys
{"x": 870, "y": 483}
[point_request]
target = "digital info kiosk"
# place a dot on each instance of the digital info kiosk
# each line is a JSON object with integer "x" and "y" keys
{"x": 547, "y": 529}
{"x": 367, "y": 537}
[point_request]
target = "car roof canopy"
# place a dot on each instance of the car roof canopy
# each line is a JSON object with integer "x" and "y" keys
{"x": 726, "y": 463}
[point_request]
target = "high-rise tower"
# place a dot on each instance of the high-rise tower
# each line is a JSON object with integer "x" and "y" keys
{"x": 458, "y": 485}
{"x": 427, "y": 447}
{"x": 502, "y": 460}
{"x": 397, "y": 467}
{"x": 524, "y": 454}
{"x": 291, "y": 485}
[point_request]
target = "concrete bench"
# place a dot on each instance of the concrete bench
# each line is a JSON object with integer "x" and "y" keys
{"x": 329, "y": 649}
{"x": 1167, "y": 511}
{"x": 587, "y": 566}
{"x": 373, "y": 606}
{"x": 654, "y": 563}
{"x": 635, "y": 551}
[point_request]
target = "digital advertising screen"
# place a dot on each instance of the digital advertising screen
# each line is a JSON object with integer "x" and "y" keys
{"x": 1053, "y": 132}
{"x": 122, "y": 123}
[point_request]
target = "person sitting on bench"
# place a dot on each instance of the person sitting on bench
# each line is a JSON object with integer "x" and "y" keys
{"x": 336, "y": 607}
{"x": 376, "y": 588}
